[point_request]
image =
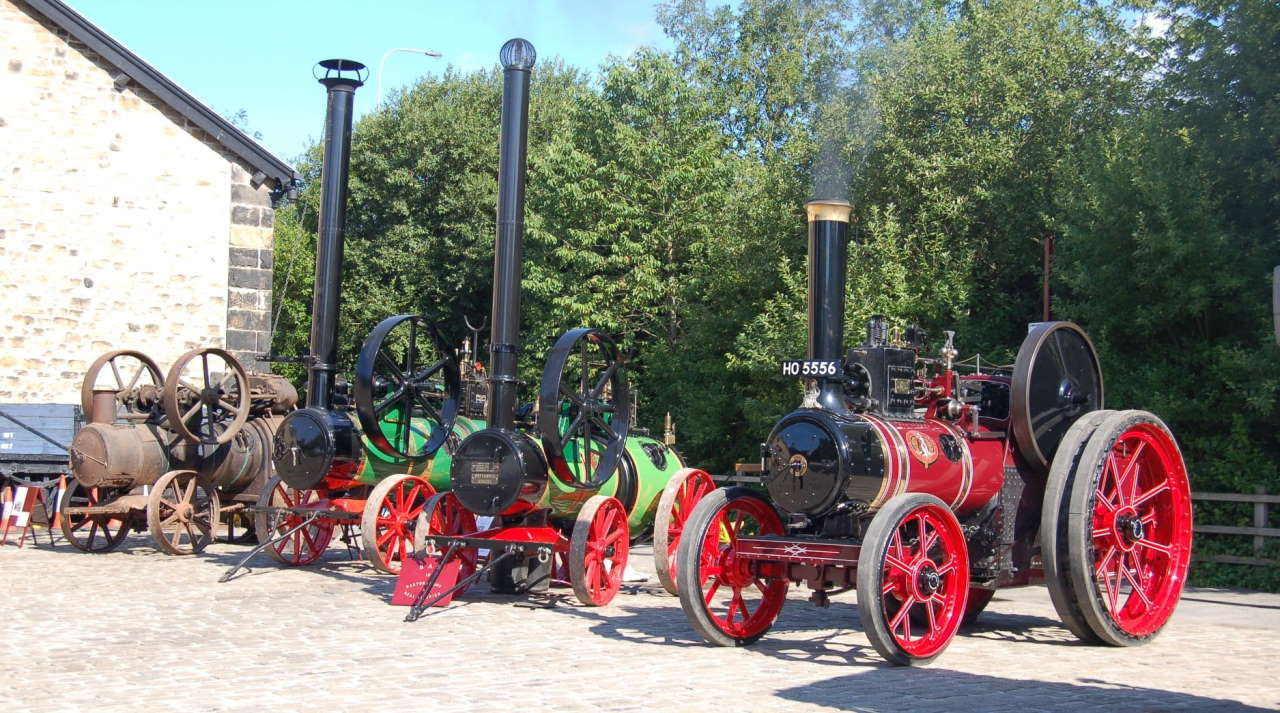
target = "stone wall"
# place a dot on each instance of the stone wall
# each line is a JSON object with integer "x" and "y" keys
{"x": 249, "y": 278}
{"x": 121, "y": 226}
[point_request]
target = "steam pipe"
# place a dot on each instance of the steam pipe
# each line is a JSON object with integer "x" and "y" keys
{"x": 828, "y": 267}
{"x": 326, "y": 299}
{"x": 517, "y": 57}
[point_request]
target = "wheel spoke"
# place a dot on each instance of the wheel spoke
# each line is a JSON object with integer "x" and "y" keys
{"x": 603, "y": 381}
{"x": 902, "y": 616}
{"x": 1137, "y": 587}
{"x": 116, "y": 371}
{"x": 186, "y": 417}
{"x": 1158, "y": 489}
{"x": 393, "y": 368}
{"x": 896, "y": 563}
{"x": 711, "y": 593}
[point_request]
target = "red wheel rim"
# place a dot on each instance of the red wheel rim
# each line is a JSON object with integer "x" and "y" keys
{"x": 697, "y": 485}
{"x": 924, "y": 581}
{"x": 740, "y": 600}
{"x": 1141, "y": 530}
{"x": 397, "y": 515}
{"x": 448, "y": 517}
{"x": 607, "y": 548}
{"x": 309, "y": 543}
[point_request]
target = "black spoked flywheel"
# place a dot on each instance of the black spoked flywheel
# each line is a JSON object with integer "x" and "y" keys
{"x": 584, "y": 408}
{"x": 1056, "y": 380}
{"x": 406, "y": 370}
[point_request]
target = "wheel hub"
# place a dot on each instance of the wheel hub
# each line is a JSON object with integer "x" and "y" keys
{"x": 1127, "y": 529}
{"x": 735, "y": 571}
{"x": 184, "y": 512}
{"x": 928, "y": 581}
{"x": 1130, "y": 528}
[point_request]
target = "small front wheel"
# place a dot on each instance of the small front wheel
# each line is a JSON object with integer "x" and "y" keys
{"x": 390, "y": 514}
{"x": 182, "y": 513}
{"x": 306, "y": 544}
{"x": 598, "y": 550}
{"x": 913, "y": 579}
{"x": 728, "y": 600}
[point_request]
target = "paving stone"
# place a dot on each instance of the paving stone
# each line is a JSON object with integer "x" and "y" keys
{"x": 139, "y": 630}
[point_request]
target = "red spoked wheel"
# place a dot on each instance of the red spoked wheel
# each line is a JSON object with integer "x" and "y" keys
{"x": 307, "y": 544}
{"x": 390, "y": 515}
{"x": 913, "y": 579}
{"x": 1054, "y": 517}
{"x": 598, "y": 550}
{"x": 444, "y": 515}
{"x": 682, "y": 493}
{"x": 729, "y": 601}
{"x": 1129, "y": 534}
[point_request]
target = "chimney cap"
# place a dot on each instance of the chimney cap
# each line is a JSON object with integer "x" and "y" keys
{"x": 518, "y": 53}
{"x": 836, "y": 209}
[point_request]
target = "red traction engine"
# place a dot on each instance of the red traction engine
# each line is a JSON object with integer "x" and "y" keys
{"x": 925, "y": 487}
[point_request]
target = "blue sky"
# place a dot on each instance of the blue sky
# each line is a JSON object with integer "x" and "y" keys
{"x": 258, "y": 55}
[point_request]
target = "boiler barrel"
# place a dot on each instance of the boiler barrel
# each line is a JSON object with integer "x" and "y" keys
{"x": 124, "y": 456}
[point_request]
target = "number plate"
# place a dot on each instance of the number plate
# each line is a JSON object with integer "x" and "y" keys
{"x": 810, "y": 368}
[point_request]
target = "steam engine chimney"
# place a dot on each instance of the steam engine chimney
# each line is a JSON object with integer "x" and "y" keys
{"x": 828, "y": 260}
{"x": 517, "y": 57}
{"x": 333, "y": 215}
{"x": 315, "y": 442}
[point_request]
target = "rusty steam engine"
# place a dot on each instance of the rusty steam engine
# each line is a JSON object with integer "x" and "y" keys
{"x": 172, "y": 455}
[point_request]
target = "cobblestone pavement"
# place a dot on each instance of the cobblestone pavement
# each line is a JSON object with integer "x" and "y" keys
{"x": 137, "y": 630}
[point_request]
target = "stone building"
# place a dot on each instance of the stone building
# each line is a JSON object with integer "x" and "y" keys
{"x": 131, "y": 215}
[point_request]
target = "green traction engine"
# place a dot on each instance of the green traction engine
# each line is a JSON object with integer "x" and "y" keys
{"x": 561, "y": 491}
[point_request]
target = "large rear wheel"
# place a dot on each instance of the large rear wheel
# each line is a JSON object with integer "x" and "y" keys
{"x": 729, "y": 601}
{"x": 682, "y": 493}
{"x": 1054, "y": 519}
{"x": 913, "y": 579}
{"x": 1129, "y": 534}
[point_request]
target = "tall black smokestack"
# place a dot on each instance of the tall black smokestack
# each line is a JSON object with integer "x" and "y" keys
{"x": 828, "y": 267}
{"x": 517, "y": 58}
{"x": 342, "y": 77}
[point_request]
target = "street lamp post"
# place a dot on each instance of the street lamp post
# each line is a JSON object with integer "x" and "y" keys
{"x": 388, "y": 53}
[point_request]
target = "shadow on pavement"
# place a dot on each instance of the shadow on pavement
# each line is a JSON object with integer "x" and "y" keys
{"x": 934, "y": 689}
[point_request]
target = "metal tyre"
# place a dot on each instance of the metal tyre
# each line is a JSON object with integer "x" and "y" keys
{"x": 96, "y": 534}
{"x": 1129, "y": 534}
{"x": 728, "y": 601}
{"x": 390, "y": 515}
{"x": 682, "y": 493}
{"x": 444, "y": 515}
{"x": 598, "y": 550}
{"x": 182, "y": 513}
{"x": 1054, "y": 519}
{"x": 913, "y": 569}
{"x": 302, "y": 547}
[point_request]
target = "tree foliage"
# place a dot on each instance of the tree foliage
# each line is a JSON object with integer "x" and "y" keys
{"x": 665, "y": 192}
